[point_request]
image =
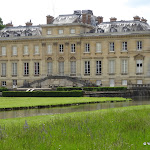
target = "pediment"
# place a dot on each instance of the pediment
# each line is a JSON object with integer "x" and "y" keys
{"x": 139, "y": 56}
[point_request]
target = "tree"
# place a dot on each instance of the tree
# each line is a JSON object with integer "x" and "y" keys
{"x": 1, "y": 24}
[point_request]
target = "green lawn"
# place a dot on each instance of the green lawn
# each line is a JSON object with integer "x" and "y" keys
{"x": 10, "y": 102}
{"x": 112, "y": 129}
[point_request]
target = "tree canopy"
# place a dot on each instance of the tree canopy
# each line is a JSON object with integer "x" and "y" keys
{"x": 1, "y": 24}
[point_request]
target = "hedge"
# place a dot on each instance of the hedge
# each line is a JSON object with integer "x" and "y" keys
{"x": 43, "y": 94}
{"x": 92, "y": 88}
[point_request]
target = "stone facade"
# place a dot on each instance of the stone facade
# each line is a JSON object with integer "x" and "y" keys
{"x": 68, "y": 47}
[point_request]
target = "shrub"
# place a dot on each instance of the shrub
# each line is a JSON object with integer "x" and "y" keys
{"x": 3, "y": 89}
{"x": 42, "y": 94}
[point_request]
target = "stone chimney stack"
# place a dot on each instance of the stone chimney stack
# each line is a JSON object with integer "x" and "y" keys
{"x": 144, "y": 20}
{"x": 9, "y": 24}
{"x": 136, "y": 18}
{"x": 84, "y": 18}
{"x": 29, "y": 23}
{"x": 100, "y": 19}
{"x": 113, "y": 19}
{"x": 89, "y": 19}
{"x": 50, "y": 19}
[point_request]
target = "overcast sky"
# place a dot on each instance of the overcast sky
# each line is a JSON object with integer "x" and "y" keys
{"x": 20, "y": 12}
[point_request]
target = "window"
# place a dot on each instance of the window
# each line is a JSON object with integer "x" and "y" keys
{"x": 111, "y": 47}
{"x": 3, "y": 83}
{"x": 73, "y": 67}
{"x": 87, "y": 47}
{"x": 124, "y": 46}
{"x": 111, "y": 66}
{"x": 98, "y": 67}
{"x": 3, "y": 51}
{"x": 61, "y": 68}
{"x": 124, "y": 82}
{"x": 36, "y": 68}
{"x": 49, "y": 32}
{"x": 61, "y": 48}
{"x": 26, "y": 68}
{"x": 14, "y": 50}
{"x": 73, "y": 48}
{"x": 139, "y": 45}
{"x": 98, "y": 47}
{"x": 60, "y": 31}
{"x": 139, "y": 66}
{"x": 3, "y": 73}
{"x": 14, "y": 69}
{"x": 14, "y": 82}
{"x": 49, "y": 49}
{"x": 98, "y": 82}
{"x": 124, "y": 67}
{"x": 49, "y": 68}
{"x": 36, "y": 50}
{"x": 72, "y": 31}
{"x": 87, "y": 67}
{"x": 139, "y": 81}
{"x": 112, "y": 82}
{"x": 25, "y": 52}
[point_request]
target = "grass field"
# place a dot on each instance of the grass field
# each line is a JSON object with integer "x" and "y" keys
{"x": 11, "y": 102}
{"x": 112, "y": 129}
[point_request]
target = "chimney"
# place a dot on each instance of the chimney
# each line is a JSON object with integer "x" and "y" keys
{"x": 144, "y": 20}
{"x": 29, "y": 23}
{"x": 113, "y": 19}
{"x": 84, "y": 18}
{"x": 100, "y": 19}
{"x": 9, "y": 24}
{"x": 136, "y": 18}
{"x": 50, "y": 19}
{"x": 89, "y": 19}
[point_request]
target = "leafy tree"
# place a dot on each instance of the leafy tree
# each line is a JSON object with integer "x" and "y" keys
{"x": 1, "y": 24}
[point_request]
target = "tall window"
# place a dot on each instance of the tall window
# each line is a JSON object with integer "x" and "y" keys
{"x": 61, "y": 48}
{"x": 73, "y": 67}
{"x": 49, "y": 68}
{"x": 87, "y": 67}
{"x": 98, "y": 67}
{"x": 111, "y": 47}
{"x": 14, "y": 82}
{"x": 124, "y": 67}
{"x": 139, "y": 66}
{"x": 49, "y": 49}
{"x": 14, "y": 50}
{"x": 124, "y": 82}
{"x": 111, "y": 66}
{"x": 14, "y": 69}
{"x": 124, "y": 46}
{"x": 3, "y": 51}
{"x": 36, "y": 68}
{"x": 87, "y": 47}
{"x": 139, "y": 45}
{"x": 98, "y": 47}
{"x": 25, "y": 52}
{"x": 3, "y": 69}
{"x": 73, "y": 48}
{"x": 61, "y": 68}
{"x": 26, "y": 68}
{"x": 36, "y": 50}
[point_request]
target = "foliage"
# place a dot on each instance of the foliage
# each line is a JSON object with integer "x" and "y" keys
{"x": 1, "y": 24}
{"x": 113, "y": 129}
{"x": 42, "y": 94}
{"x": 92, "y": 88}
{"x": 3, "y": 89}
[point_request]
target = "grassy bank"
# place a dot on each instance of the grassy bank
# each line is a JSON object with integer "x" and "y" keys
{"x": 112, "y": 129}
{"x": 17, "y": 102}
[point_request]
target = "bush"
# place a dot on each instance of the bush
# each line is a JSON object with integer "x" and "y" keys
{"x": 42, "y": 94}
{"x": 92, "y": 88}
{"x": 3, "y": 89}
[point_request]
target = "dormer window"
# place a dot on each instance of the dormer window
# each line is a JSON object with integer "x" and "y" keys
{"x": 72, "y": 31}
{"x": 49, "y": 32}
{"x": 61, "y": 31}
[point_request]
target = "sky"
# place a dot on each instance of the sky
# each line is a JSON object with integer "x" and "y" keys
{"x": 22, "y": 11}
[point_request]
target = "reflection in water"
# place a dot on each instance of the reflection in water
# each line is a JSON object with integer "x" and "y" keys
{"x": 77, "y": 108}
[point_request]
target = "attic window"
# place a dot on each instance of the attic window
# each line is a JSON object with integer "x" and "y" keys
{"x": 72, "y": 31}
{"x": 61, "y": 31}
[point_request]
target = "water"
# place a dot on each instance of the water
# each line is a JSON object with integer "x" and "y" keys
{"x": 77, "y": 108}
